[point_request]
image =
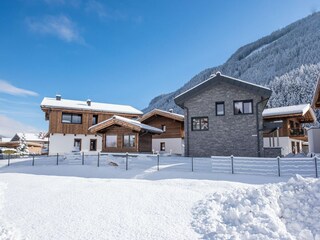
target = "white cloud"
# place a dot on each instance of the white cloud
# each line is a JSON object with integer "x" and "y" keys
{"x": 96, "y": 7}
{"x": 9, "y": 126}
{"x": 59, "y": 26}
{"x": 8, "y": 88}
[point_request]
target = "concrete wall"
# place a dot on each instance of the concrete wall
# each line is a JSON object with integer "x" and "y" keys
{"x": 314, "y": 140}
{"x": 59, "y": 143}
{"x": 229, "y": 134}
{"x": 173, "y": 145}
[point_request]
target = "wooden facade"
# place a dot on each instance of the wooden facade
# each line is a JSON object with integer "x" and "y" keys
{"x": 57, "y": 126}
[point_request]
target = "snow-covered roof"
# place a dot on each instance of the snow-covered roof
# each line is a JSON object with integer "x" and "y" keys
{"x": 30, "y": 137}
{"x": 117, "y": 119}
{"x": 301, "y": 109}
{"x": 163, "y": 113}
{"x": 94, "y": 106}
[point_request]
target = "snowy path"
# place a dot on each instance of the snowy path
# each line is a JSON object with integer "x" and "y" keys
{"x": 40, "y": 204}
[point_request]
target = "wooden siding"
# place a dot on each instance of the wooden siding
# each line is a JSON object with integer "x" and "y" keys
{"x": 56, "y": 125}
{"x": 174, "y": 129}
{"x": 145, "y": 143}
{"x": 285, "y": 130}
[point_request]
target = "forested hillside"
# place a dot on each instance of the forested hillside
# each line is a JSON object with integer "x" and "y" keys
{"x": 286, "y": 61}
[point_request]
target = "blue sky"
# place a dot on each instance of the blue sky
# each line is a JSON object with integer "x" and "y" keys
{"x": 123, "y": 52}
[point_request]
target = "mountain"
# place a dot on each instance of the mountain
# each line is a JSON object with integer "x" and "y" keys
{"x": 287, "y": 61}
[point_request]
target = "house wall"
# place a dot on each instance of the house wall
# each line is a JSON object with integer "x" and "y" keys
{"x": 145, "y": 143}
{"x": 229, "y": 134}
{"x": 314, "y": 140}
{"x": 284, "y": 144}
{"x": 60, "y": 143}
{"x": 172, "y": 145}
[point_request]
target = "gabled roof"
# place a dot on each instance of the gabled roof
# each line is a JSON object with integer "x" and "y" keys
{"x": 30, "y": 137}
{"x": 83, "y": 105}
{"x": 316, "y": 96}
{"x": 214, "y": 80}
{"x": 155, "y": 112}
{"x": 124, "y": 122}
{"x": 302, "y": 110}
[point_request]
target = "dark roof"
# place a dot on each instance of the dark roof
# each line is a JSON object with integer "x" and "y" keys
{"x": 219, "y": 78}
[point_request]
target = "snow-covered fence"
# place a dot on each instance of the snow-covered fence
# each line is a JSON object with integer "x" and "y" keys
{"x": 307, "y": 167}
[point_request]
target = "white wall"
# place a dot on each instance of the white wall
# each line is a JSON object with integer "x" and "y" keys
{"x": 284, "y": 143}
{"x": 176, "y": 145}
{"x": 59, "y": 143}
{"x": 314, "y": 140}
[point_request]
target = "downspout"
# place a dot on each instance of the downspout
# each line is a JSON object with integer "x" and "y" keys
{"x": 187, "y": 128}
{"x": 258, "y": 128}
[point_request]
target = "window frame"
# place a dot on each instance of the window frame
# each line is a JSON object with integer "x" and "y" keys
{"x": 162, "y": 146}
{"x": 113, "y": 135}
{"x": 95, "y": 116}
{"x": 93, "y": 140}
{"x": 243, "y": 101}
{"x": 224, "y": 110}
{"x": 130, "y": 138}
{"x": 193, "y": 118}
{"x": 164, "y": 128}
{"x": 71, "y": 121}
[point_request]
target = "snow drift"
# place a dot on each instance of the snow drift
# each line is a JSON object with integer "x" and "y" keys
{"x": 275, "y": 211}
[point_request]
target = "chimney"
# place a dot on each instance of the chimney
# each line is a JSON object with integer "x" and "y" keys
{"x": 218, "y": 73}
{"x": 58, "y": 97}
{"x": 171, "y": 110}
{"x": 89, "y": 102}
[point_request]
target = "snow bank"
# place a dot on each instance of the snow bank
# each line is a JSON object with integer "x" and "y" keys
{"x": 275, "y": 211}
{"x": 6, "y": 231}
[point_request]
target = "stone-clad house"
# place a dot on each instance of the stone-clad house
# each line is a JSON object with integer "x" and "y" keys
{"x": 223, "y": 117}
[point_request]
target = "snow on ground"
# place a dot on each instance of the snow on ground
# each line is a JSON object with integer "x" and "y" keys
{"x": 275, "y": 211}
{"x": 87, "y": 202}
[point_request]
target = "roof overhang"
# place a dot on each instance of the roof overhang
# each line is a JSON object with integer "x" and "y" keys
{"x": 158, "y": 112}
{"x": 216, "y": 79}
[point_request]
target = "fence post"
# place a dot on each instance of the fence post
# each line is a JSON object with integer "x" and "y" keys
{"x": 9, "y": 160}
{"x": 278, "y": 160}
{"x": 98, "y": 159}
{"x": 32, "y": 160}
{"x": 232, "y": 170}
{"x": 316, "y": 165}
{"x": 127, "y": 156}
{"x": 82, "y": 158}
{"x": 192, "y": 164}
{"x": 158, "y": 161}
{"x": 57, "y": 159}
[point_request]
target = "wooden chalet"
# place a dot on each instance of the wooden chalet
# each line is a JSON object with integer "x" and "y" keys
{"x": 172, "y": 125}
{"x": 120, "y": 134}
{"x": 283, "y": 127}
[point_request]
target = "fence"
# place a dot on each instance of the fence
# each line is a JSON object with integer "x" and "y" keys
{"x": 307, "y": 167}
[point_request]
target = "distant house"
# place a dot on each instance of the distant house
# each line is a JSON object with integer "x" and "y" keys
{"x": 172, "y": 124}
{"x": 70, "y": 120}
{"x": 223, "y": 116}
{"x": 120, "y": 134}
{"x": 37, "y": 143}
{"x": 283, "y": 128}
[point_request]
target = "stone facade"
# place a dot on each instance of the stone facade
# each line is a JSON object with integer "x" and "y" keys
{"x": 229, "y": 134}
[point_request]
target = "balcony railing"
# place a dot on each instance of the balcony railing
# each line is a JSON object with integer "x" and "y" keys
{"x": 297, "y": 132}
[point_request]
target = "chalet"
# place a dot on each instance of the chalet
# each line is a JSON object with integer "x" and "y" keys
{"x": 283, "y": 128}
{"x": 172, "y": 124}
{"x": 70, "y": 120}
{"x": 120, "y": 134}
{"x": 223, "y": 116}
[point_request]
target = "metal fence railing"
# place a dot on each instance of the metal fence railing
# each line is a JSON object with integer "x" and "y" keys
{"x": 307, "y": 167}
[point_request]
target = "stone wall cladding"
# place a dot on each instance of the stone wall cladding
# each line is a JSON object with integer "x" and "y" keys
{"x": 229, "y": 134}
{"x": 272, "y": 152}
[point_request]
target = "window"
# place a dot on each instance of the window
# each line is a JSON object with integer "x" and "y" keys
{"x": 111, "y": 140}
{"x": 243, "y": 107}
{"x": 93, "y": 144}
{"x": 94, "y": 119}
{"x": 291, "y": 124}
{"x": 164, "y": 128}
{"x": 200, "y": 124}
{"x": 71, "y": 118}
{"x": 162, "y": 146}
{"x": 129, "y": 140}
{"x": 219, "y": 108}
{"x": 77, "y": 144}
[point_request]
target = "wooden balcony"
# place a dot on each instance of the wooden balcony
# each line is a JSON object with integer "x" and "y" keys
{"x": 298, "y": 133}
